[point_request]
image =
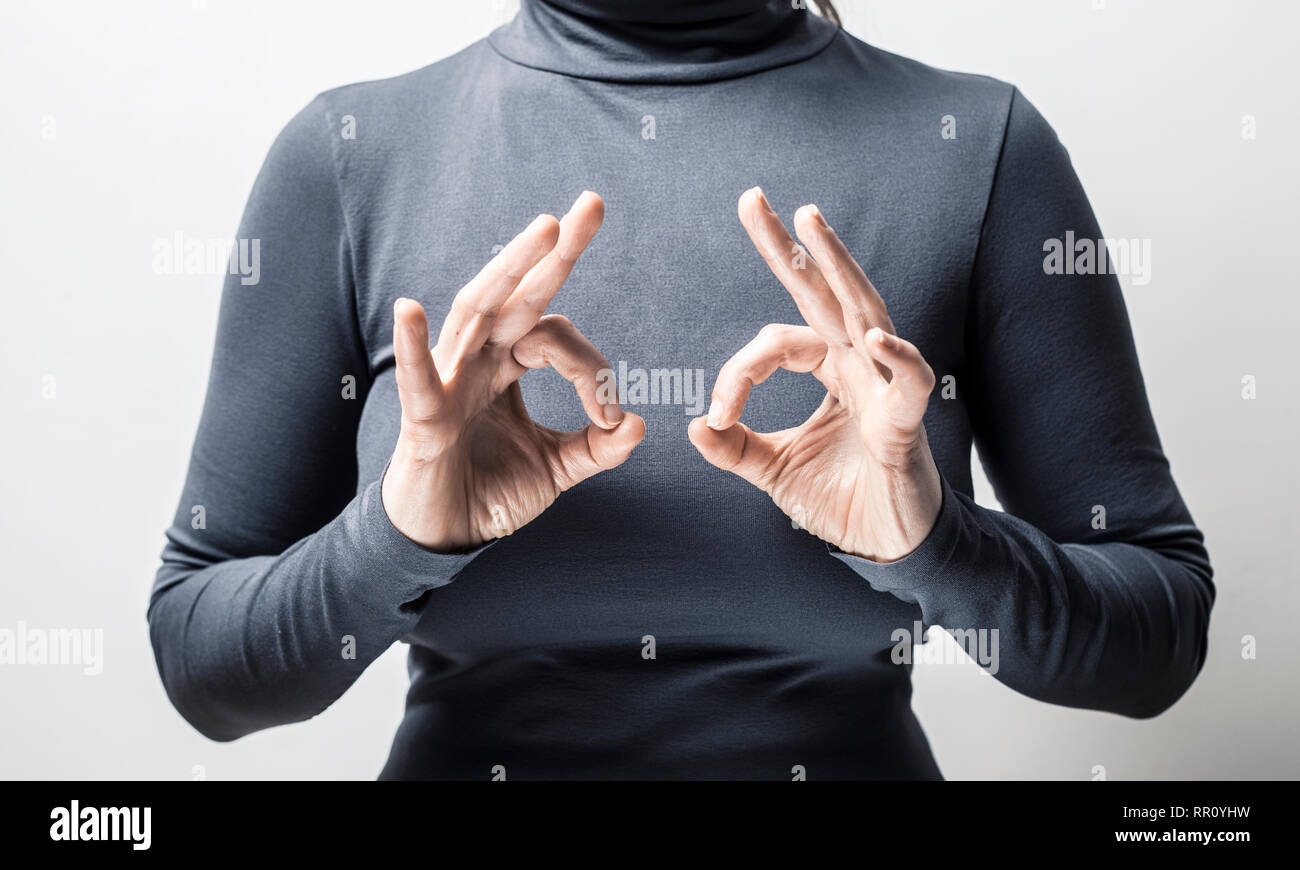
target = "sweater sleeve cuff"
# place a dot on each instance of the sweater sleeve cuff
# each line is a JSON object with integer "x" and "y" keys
{"x": 409, "y": 569}
{"x": 927, "y": 562}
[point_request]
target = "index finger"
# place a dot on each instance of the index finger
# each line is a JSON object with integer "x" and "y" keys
{"x": 528, "y": 302}
{"x": 475, "y": 308}
{"x": 813, "y": 296}
{"x": 557, "y": 343}
{"x": 861, "y": 303}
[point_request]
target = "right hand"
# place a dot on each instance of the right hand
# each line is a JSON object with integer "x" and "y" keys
{"x": 470, "y": 465}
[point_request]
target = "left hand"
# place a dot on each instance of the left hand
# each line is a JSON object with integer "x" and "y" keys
{"x": 858, "y": 473}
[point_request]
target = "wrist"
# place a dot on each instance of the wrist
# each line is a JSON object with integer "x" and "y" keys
{"x": 906, "y": 500}
{"x": 408, "y": 496}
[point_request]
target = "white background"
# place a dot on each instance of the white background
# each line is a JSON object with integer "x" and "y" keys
{"x": 162, "y": 113}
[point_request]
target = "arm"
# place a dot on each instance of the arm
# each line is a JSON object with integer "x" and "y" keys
{"x": 249, "y": 609}
{"x": 1111, "y": 618}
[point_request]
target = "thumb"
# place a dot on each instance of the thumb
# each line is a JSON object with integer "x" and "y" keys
{"x": 418, "y": 386}
{"x": 587, "y": 452}
{"x": 738, "y": 449}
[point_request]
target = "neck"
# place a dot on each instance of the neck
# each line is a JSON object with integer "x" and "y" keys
{"x": 671, "y": 41}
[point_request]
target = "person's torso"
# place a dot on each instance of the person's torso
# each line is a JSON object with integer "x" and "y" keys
{"x": 665, "y": 618}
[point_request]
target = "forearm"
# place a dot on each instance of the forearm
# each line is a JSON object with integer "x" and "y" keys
{"x": 246, "y": 644}
{"x": 1119, "y": 627}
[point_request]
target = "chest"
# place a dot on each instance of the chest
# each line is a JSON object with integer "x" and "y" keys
{"x": 671, "y": 286}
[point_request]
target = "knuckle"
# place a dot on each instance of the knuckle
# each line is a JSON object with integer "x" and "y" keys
{"x": 859, "y": 316}
{"x": 557, "y": 323}
{"x": 584, "y": 385}
{"x": 503, "y": 267}
{"x": 417, "y": 426}
{"x": 565, "y": 256}
{"x": 513, "y": 270}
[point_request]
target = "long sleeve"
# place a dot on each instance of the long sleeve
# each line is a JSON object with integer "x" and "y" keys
{"x": 280, "y": 582}
{"x": 1095, "y": 578}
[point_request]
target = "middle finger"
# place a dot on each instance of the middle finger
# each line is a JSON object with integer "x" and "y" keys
{"x": 812, "y": 295}
{"x": 528, "y": 302}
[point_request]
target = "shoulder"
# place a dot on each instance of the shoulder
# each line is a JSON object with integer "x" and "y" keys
{"x": 369, "y": 118}
{"x": 994, "y": 109}
{"x": 373, "y": 108}
{"x": 912, "y": 79}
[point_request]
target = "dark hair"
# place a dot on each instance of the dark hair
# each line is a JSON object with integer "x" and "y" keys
{"x": 827, "y": 10}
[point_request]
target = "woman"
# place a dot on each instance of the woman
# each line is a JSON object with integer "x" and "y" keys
{"x": 582, "y": 601}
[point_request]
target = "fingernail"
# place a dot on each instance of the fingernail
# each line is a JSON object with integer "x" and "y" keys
{"x": 762, "y": 199}
{"x": 715, "y": 414}
{"x": 613, "y": 414}
{"x": 817, "y": 213}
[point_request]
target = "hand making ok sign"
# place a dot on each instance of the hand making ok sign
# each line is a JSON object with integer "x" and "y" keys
{"x": 858, "y": 473}
{"x": 470, "y": 465}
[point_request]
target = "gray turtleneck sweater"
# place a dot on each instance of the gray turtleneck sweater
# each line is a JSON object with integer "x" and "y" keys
{"x": 664, "y": 619}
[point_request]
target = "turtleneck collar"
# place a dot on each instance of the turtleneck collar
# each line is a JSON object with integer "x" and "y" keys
{"x": 670, "y": 41}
